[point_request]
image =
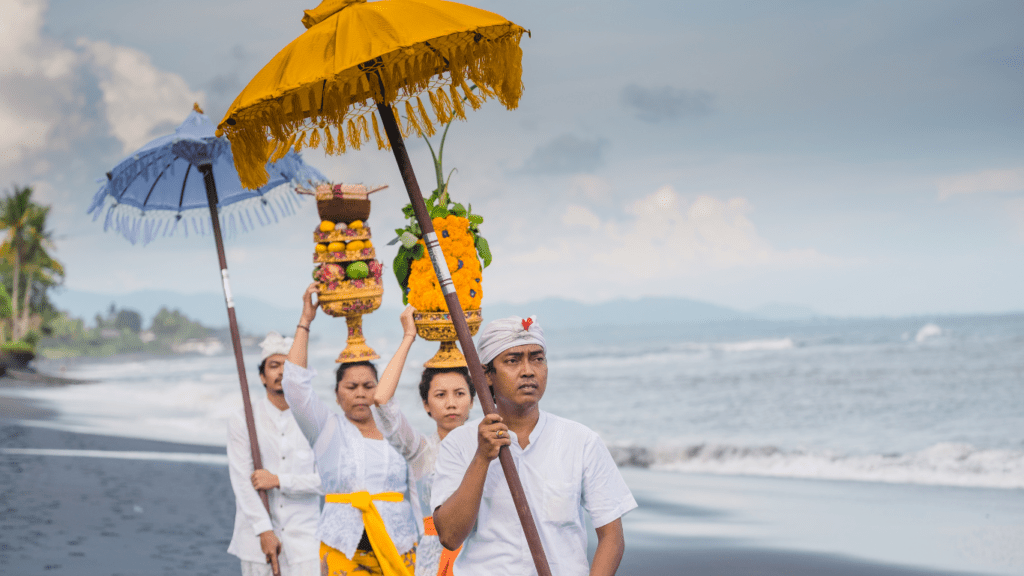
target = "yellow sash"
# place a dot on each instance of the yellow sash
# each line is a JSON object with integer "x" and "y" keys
{"x": 391, "y": 563}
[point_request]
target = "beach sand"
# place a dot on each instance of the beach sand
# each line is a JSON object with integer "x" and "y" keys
{"x": 104, "y": 516}
{"x": 73, "y": 514}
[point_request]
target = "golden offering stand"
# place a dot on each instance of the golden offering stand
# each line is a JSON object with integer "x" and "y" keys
{"x": 438, "y": 327}
{"x": 352, "y": 307}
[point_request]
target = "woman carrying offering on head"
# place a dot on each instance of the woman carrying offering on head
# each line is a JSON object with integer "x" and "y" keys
{"x": 367, "y": 522}
{"x": 447, "y": 397}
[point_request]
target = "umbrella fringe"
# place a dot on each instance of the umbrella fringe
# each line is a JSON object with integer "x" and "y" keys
{"x": 376, "y": 133}
{"x": 489, "y": 57}
{"x": 329, "y": 145}
{"x": 143, "y": 227}
{"x": 428, "y": 126}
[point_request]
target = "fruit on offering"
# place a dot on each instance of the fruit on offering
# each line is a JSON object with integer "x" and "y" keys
{"x": 336, "y": 247}
{"x": 356, "y": 225}
{"x": 321, "y": 247}
{"x": 326, "y": 226}
{"x": 357, "y": 270}
{"x": 354, "y": 245}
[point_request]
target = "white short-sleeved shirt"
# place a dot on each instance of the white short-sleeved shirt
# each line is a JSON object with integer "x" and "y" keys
{"x": 565, "y": 469}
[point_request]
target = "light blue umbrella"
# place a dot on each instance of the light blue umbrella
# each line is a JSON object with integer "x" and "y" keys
{"x": 160, "y": 189}
{"x": 189, "y": 178}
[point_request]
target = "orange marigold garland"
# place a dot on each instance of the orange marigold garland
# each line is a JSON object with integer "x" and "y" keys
{"x": 463, "y": 263}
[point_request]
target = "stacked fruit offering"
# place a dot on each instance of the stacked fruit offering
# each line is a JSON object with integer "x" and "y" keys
{"x": 346, "y": 267}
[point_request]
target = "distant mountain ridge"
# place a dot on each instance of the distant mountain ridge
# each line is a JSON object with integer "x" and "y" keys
{"x": 559, "y": 312}
{"x": 256, "y": 316}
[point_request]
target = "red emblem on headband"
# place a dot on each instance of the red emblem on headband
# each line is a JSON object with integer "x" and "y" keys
{"x": 527, "y": 323}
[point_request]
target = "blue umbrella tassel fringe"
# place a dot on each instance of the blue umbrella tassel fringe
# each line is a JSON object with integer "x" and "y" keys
{"x": 139, "y": 226}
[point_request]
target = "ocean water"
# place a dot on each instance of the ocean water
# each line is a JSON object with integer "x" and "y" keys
{"x": 922, "y": 400}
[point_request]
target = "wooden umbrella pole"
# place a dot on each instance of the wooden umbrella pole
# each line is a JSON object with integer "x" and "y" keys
{"x": 476, "y": 369}
{"x": 236, "y": 341}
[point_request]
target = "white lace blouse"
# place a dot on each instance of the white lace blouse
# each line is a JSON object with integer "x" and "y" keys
{"x": 420, "y": 451}
{"x": 348, "y": 462}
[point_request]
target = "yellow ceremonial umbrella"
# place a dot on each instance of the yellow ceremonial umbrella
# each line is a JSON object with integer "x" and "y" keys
{"x": 356, "y": 64}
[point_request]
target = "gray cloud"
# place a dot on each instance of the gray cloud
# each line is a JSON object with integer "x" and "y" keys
{"x": 566, "y": 154}
{"x": 665, "y": 102}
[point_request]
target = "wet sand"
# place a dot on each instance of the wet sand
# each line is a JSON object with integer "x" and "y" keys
{"x": 86, "y": 516}
{"x": 104, "y": 516}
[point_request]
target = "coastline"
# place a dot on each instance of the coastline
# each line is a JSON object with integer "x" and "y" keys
{"x": 87, "y": 515}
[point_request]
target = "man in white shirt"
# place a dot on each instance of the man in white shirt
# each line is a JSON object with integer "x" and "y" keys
{"x": 286, "y": 538}
{"x": 564, "y": 466}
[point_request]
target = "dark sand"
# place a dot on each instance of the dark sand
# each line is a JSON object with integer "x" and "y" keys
{"x": 88, "y": 516}
{"x": 99, "y": 516}
{"x": 731, "y": 561}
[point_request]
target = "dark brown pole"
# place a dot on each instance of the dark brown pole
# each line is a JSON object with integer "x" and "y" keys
{"x": 476, "y": 370}
{"x": 236, "y": 342}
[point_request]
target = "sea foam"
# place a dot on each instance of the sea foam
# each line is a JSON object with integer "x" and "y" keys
{"x": 945, "y": 463}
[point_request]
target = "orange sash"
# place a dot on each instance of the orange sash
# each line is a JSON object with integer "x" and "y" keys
{"x": 444, "y": 567}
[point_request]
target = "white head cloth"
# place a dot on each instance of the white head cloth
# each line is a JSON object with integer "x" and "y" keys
{"x": 274, "y": 343}
{"x": 500, "y": 335}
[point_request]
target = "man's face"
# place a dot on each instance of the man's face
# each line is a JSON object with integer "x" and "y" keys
{"x": 273, "y": 372}
{"x": 520, "y": 376}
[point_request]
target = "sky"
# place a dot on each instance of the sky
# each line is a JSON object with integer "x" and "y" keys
{"x": 856, "y": 158}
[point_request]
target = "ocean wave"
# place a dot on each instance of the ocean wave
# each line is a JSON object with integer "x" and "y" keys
{"x": 927, "y": 331}
{"x": 945, "y": 464}
{"x": 767, "y": 344}
{"x": 681, "y": 352}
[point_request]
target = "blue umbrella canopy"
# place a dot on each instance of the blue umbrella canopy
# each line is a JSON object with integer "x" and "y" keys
{"x": 159, "y": 189}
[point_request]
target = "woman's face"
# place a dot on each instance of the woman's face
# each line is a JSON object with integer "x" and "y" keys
{"x": 355, "y": 393}
{"x": 448, "y": 401}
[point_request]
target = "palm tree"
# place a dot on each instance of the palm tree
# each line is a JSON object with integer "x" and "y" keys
{"x": 26, "y": 249}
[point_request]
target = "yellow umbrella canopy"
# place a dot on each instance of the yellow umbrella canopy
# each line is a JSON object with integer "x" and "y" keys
{"x": 320, "y": 89}
{"x": 359, "y": 59}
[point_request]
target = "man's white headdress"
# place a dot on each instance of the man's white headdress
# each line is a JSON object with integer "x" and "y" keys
{"x": 500, "y": 335}
{"x": 274, "y": 343}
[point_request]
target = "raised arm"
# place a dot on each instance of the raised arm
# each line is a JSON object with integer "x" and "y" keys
{"x": 310, "y": 412}
{"x": 300, "y": 346}
{"x": 411, "y": 444}
{"x": 389, "y": 379}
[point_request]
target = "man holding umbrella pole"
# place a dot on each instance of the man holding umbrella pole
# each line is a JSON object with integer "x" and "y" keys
{"x": 284, "y": 540}
{"x": 565, "y": 469}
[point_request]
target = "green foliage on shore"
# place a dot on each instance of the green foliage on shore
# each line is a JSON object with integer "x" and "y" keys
{"x": 27, "y": 269}
{"x": 120, "y": 332}
{"x": 17, "y": 346}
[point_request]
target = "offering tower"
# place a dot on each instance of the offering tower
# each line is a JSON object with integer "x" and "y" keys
{"x": 347, "y": 271}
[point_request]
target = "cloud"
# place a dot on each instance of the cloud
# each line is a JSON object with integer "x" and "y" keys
{"x": 581, "y": 217}
{"x": 60, "y": 102}
{"x": 665, "y": 103}
{"x": 1015, "y": 210}
{"x": 142, "y": 101}
{"x": 590, "y": 187}
{"x": 1011, "y": 180}
{"x": 34, "y": 73}
{"x": 662, "y": 240}
{"x": 566, "y": 154}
